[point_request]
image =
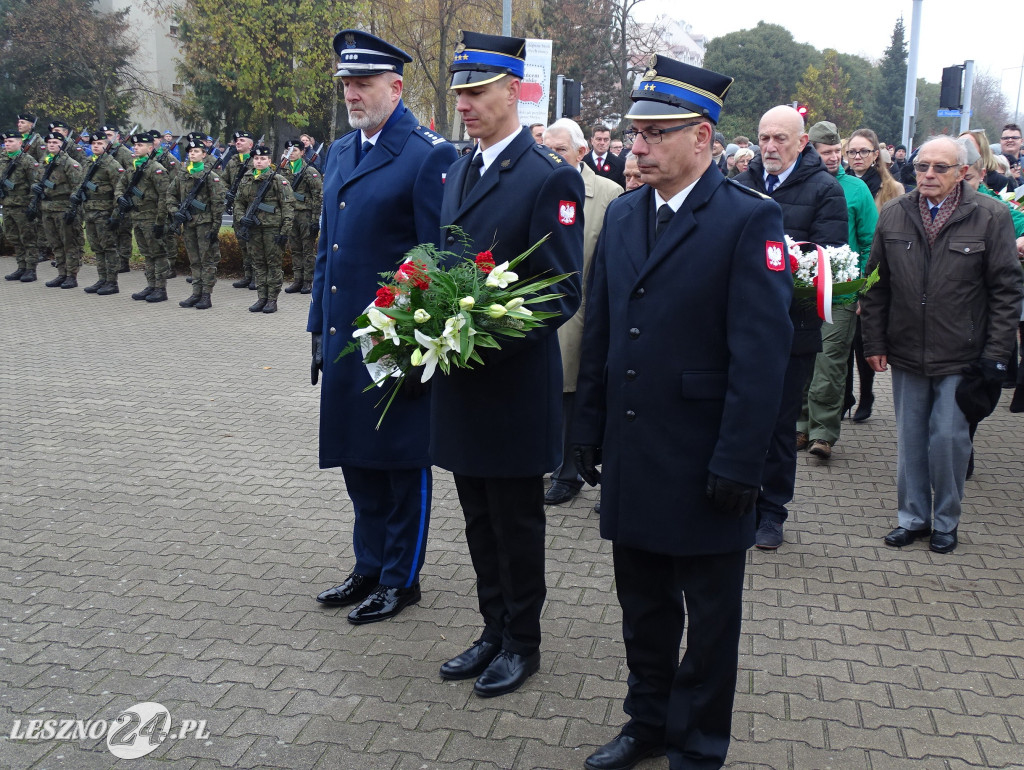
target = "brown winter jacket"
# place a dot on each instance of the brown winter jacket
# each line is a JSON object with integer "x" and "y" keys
{"x": 937, "y": 309}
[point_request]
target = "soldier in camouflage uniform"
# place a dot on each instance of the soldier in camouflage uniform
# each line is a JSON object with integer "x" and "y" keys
{"x": 237, "y": 168}
{"x": 308, "y": 189}
{"x": 97, "y": 199}
{"x": 170, "y": 240}
{"x": 33, "y": 144}
{"x": 148, "y": 203}
{"x": 200, "y": 221}
{"x": 269, "y": 228}
{"x": 56, "y": 187}
{"x": 18, "y": 173}
{"x": 124, "y": 156}
{"x": 76, "y": 153}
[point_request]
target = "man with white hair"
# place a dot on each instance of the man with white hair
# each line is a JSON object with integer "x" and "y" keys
{"x": 565, "y": 137}
{"x": 943, "y": 314}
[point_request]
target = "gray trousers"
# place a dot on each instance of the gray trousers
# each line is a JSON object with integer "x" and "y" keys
{"x": 933, "y": 447}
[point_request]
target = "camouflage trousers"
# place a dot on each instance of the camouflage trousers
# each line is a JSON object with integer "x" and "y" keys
{"x": 124, "y": 239}
{"x": 303, "y": 246}
{"x": 170, "y": 244}
{"x": 103, "y": 243}
{"x": 153, "y": 251}
{"x": 203, "y": 256}
{"x": 66, "y": 240}
{"x": 266, "y": 261}
{"x": 20, "y": 234}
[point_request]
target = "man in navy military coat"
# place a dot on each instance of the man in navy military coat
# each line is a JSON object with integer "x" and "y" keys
{"x": 683, "y": 359}
{"x": 497, "y": 427}
{"x": 382, "y": 195}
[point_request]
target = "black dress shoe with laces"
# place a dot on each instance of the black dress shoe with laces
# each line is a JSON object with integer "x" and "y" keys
{"x": 385, "y": 602}
{"x": 471, "y": 663}
{"x": 901, "y": 537}
{"x": 621, "y": 753}
{"x": 943, "y": 542}
{"x": 559, "y": 492}
{"x": 506, "y": 673}
{"x": 352, "y": 591}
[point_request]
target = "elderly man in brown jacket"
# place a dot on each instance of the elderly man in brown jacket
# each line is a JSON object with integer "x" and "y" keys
{"x": 947, "y": 300}
{"x": 565, "y": 137}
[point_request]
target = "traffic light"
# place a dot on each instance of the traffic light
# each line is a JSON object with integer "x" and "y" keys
{"x": 950, "y": 96}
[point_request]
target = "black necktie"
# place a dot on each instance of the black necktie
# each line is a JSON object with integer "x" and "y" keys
{"x": 935, "y": 212}
{"x": 472, "y": 175}
{"x": 665, "y": 214}
{"x": 367, "y": 146}
{"x": 770, "y": 184}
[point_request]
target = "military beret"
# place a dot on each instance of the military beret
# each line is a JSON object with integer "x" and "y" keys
{"x": 11, "y": 135}
{"x": 27, "y": 116}
{"x": 96, "y": 136}
{"x": 238, "y": 135}
{"x": 671, "y": 89}
{"x": 480, "y": 59}
{"x": 155, "y": 134}
{"x": 54, "y": 135}
{"x": 196, "y": 144}
{"x": 142, "y": 138}
{"x": 824, "y": 133}
{"x": 261, "y": 149}
{"x": 363, "y": 54}
{"x": 110, "y": 127}
{"x": 60, "y": 124}
{"x": 293, "y": 143}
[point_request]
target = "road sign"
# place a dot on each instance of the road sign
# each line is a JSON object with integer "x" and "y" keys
{"x": 952, "y": 113}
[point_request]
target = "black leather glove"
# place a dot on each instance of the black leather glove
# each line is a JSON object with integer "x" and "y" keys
{"x": 113, "y": 224}
{"x": 411, "y": 385}
{"x": 994, "y": 372}
{"x": 124, "y": 203}
{"x": 70, "y": 216}
{"x": 314, "y": 230}
{"x": 281, "y": 240}
{"x": 730, "y": 497}
{"x": 180, "y": 217}
{"x": 587, "y": 458}
{"x": 318, "y": 358}
{"x": 38, "y": 189}
{"x": 78, "y": 198}
{"x": 214, "y": 235}
{"x": 158, "y": 231}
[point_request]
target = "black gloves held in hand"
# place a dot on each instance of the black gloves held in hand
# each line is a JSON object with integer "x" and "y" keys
{"x": 281, "y": 240}
{"x": 38, "y": 189}
{"x": 587, "y": 458}
{"x": 318, "y": 358}
{"x": 214, "y": 235}
{"x": 158, "y": 231}
{"x": 730, "y": 497}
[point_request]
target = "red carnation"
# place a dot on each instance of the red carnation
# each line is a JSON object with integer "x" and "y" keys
{"x": 485, "y": 261}
{"x": 414, "y": 273}
{"x": 386, "y": 296}
{"x": 793, "y": 264}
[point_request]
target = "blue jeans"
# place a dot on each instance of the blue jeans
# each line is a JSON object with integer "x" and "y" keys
{"x": 933, "y": 447}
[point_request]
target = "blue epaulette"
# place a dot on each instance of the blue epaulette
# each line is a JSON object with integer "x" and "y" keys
{"x": 429, "y": 136}
{"x": 550, "y": 155}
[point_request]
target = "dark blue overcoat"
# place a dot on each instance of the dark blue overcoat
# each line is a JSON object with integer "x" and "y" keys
{"x": 683, "y": 358}
{"x": 374, "y": 212}
{"x": 503, "y": 419}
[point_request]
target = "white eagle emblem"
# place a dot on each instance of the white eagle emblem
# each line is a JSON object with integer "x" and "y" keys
{"x": 773, "y": 254}
{"x": 567, "y": 212}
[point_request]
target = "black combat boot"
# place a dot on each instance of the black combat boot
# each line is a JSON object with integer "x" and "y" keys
{"x": 252, "y": 284}
{"x": 125, "y": 267}
{"x": 16, "y": 275}
{"x": 242, "y": 283}
{"x": 144, "y": 293}
{"x": 157, "y": 295}
{"x": 258, "y": 307}
{"x": 205, "y": 303}
{"x": 307, "y": 287}
{"x": 53, "y": 283}
{"x": 95, "y": 287}
{"x": 294, "y": 287}
{"x": 70, "y": 283}
{"x": 271, "y": 306}
{"x": 30, "y": 275}
{"x": 110, "y": 287}
{"x": 191, "y": 301}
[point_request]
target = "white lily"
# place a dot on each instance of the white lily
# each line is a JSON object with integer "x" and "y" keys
{"x": 452, "y": 329}
{"x": 379, "y": 323}
{"x": 435, "y": 350}
{"x": 501, "y": 276}
{"x": 421, "y": 316}
{"x": 496, "y": 311}
{"x": 515, "y": 302}
{"x": 466, "y": 303}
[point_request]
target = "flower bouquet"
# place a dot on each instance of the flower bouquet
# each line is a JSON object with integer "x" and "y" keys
{"x": 433, "y": 317}
{"x": 826, "y": 274}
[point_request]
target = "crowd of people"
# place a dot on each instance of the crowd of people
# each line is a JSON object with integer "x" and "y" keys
{"x": 692, "y": 436}
{"x": 56, "y": 192}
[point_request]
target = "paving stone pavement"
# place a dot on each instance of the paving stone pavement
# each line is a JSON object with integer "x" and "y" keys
{"x": 165, "y": 528}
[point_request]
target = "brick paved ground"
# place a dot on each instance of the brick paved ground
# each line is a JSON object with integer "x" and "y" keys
{"x": 165, "y": 528}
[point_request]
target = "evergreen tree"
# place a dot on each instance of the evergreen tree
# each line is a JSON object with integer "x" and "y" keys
{"x": 826, "y": 93}
{"x": 885, "y": 115}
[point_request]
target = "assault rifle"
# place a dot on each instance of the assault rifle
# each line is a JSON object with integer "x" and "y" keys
{"x": 39, "y": 188}
{"x": 126, "y": 203}
{"x": 5, "y": 181}
{"x": 229, "y": 198}
{"x": 81, "y": 195}
{"x": 250, "y": 220}
{"x": 189, "y": 202}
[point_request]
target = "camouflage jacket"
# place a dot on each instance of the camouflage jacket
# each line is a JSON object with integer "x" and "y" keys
{"x": 17, "y": 186}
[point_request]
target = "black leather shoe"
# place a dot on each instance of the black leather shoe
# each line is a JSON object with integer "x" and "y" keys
{"x": 352, "y": 591}
{"x": 900, "y": 537}
{"x": 559, "y": 492}
{"x": 621, "y": 753}
{"x": 95, "y": 287}
{"x": 385, "y": 602}
{"x": 471, "y": 663}
{"x": 943, "y": 542}
{"x": 257, "y": 307}
{"x": 16, "y": 275}
{"x": 506, "y": 673}
{"x": 867, "y": 400}
{"x": 241, "y": 283}
{"x": 71, "y": 283}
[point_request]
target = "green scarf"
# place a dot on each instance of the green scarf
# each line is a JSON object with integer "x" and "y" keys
{"x": 195, "y": 168}
{"x": 136, "y": 162}
{"x": 296, "y": 165}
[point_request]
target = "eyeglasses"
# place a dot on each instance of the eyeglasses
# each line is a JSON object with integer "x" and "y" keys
{"x": 859, "y": 153}
{"x": 940, "y": 168}
{"x": 1010, "y": 138}
{"x": 654, "y": 135}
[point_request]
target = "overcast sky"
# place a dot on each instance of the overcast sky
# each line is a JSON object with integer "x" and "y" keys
{"x": 865, "y": 28}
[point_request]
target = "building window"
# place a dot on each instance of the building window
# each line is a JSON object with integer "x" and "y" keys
{"x": 177, "y": 88}
{"x": 174, "y": 30}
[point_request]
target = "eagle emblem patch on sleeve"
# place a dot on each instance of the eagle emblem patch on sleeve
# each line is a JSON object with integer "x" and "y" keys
{"x": 774, "y": 255}
{"x": 567, "y": 212}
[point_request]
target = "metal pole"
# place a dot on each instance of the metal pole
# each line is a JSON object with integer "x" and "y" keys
{"x": 910, "y": 96}
{"x": 559, "y": 89}
{"x": 506, "y": 18}
{"x": 965, "y": 108}
{"x": 1020, "y": 80}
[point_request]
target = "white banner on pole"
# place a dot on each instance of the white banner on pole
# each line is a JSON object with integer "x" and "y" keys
{"x": 535, "y": 93}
